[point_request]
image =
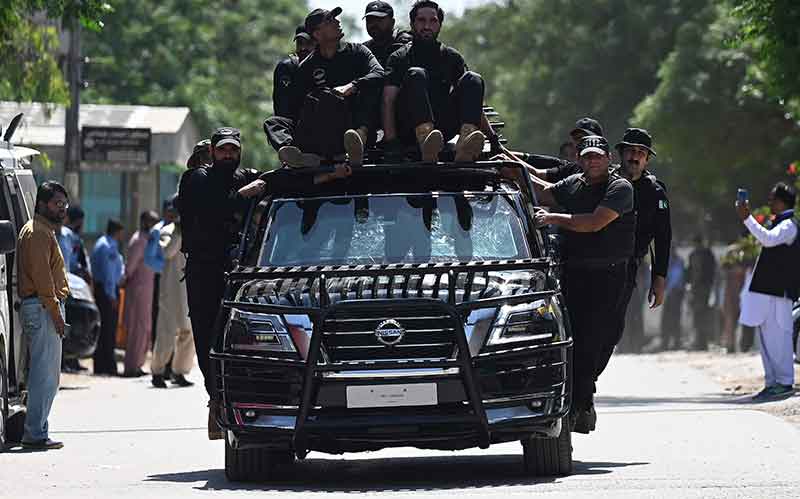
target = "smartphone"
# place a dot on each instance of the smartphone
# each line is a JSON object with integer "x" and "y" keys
{"x": 741, "y": 195}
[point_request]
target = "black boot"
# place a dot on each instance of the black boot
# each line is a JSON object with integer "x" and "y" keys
{"x": 180, "y": 380}
{"x": 158, "y": 381}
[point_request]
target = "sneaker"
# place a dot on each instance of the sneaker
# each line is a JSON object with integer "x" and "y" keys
{"x": 431, "y": 146}
{"x": 214, "y": 431}
{"x": 354, "y": 145}
{"x": 180, "y": 380}
{"x": 158, "y": 381}
{"x": 45, "y": 444}
{"x": 469, "y": 147}
{"x": 774, "y": 392}
{"x": 585, "y": 420}
{"x": 295, "y": 158}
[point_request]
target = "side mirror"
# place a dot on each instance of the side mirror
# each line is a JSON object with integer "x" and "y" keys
{"x": 8, "y": 237}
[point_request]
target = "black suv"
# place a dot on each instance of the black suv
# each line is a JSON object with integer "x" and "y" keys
{"x": 406, "y": 305}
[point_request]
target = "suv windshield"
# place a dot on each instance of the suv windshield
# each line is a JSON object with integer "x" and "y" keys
{"x": 419, "y": 228}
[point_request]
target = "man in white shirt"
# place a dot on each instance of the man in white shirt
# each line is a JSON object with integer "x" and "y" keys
{"x": 768, "y": 293}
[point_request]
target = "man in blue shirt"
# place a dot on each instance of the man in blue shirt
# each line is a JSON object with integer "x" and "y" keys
{"x": 108, "y": 269}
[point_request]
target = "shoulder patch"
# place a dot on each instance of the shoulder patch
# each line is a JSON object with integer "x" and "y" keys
{"x": 663, "y": 204}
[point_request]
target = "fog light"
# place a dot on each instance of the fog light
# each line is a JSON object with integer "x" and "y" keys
{"x": 250, "y": 414}
{"x": 535, "y": 404}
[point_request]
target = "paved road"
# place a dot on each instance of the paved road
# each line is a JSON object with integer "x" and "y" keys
{"x": 663, "y": 431}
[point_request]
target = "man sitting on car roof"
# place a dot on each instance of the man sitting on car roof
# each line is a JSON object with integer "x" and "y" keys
{"x": 430, "y": 96}
{"x": 333, "y": 94}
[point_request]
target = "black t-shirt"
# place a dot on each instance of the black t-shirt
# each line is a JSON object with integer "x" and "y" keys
{"x": 382, "y": 51}
{"x": 352, "y": 63}
{"x": 282, "y": 85}
{"x": 613, "y": 242}
{"x": 444, "y": 65}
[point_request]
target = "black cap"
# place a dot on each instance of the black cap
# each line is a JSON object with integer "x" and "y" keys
{"x": 200, "y": 155}
{"x": 636, "y": 137}
{"x": 300, "y": 32}
{"x": 319, "y": 16}
{"x": 226, "y": 135}
{"x": 588, "y": 125}
{"x": 378, "y": 8}
{"x": 593, "y": 143}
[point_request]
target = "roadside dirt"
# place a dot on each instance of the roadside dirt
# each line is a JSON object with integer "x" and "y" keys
{"x": 739, "y": 375}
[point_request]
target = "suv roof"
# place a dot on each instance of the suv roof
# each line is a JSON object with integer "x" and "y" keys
{"x": 397, "y": 178}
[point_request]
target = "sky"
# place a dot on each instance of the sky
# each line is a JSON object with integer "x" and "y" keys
{"x": 355, "y": 8}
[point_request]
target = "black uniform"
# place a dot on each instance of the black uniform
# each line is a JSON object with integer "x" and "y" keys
{"x": 596, "y": 271}
{"x": 653, "y": 226}
{"x": 436, "y": 86}
{"x": 382, "y": 51}
{"x": 282, "y": 85}
{"x": 556, "y": 168}
{"x": 209, "y": 207}
{"x": 318, "y": 117}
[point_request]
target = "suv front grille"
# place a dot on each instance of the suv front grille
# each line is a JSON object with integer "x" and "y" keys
{"x": 349, "y": 334}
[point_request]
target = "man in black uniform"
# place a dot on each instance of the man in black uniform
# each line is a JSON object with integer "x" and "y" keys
{"x": 430, "y": 96}
{"x": 285, "y": 71}
{"x": 333, "y": 96}
{"x": 383, "y": 40}
{"x": 652, "y": 226}
{"x": 599, "y": 231}
{"x": 208, "y": 207}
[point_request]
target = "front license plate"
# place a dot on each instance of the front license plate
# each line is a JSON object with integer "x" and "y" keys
{"x": 391, "y": 395}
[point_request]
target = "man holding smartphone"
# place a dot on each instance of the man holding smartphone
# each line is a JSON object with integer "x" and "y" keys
{"x": 42, "y": 289}
{"x": 772, "y": 287}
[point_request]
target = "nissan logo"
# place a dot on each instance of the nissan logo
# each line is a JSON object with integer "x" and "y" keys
{"x": 390, "y": 332}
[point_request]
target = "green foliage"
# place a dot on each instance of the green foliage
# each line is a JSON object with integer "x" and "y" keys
{"x": 712, "y": 134}
{"x": 547, "y": 62}
{"x": 772, "y": 29}
{"x": 218, "y": 60}
{"x": 28, "y": 50}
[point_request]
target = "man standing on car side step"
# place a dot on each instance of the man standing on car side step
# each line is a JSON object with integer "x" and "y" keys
{"x": 430, "y": 96}
{"x": 210, "y": 210}
{"x": 600, "y": 227}
{"x": 333, "y": 95}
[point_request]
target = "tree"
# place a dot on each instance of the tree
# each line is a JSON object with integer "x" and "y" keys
{"x": 547, "y": 63}
{"x": 712, "y": 134}
{"x": 772, "y": 29}
{"x": 217, "y": 60}
{"x": 28, "y": 59}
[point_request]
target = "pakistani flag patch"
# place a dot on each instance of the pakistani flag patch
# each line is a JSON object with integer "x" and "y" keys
{"x": 663, "y": 204}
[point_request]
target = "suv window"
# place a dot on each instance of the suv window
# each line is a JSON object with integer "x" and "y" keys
{"x": 418, "y": 228}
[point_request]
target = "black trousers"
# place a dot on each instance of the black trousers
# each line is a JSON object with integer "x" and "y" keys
{"x": 320, "y": 127}
{"x": 104, "y": 361}
{"x": 414, "y": 105}
{"x": 205, "y": 287}
{"x": 593, "y": 294}
{"x": 631, "y": 339}
{"x": 703, "y": 317}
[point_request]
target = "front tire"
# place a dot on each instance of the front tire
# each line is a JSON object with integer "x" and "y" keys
{"x": 549, "y": 456}
{"x": 255, "y": 465}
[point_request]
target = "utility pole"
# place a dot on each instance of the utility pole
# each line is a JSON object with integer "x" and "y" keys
{"x": 72, "y": 139}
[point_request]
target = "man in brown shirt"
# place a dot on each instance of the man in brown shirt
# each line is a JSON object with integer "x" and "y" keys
{"x": 42, "y": 288}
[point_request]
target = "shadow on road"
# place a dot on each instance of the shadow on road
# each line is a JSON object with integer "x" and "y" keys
{"x": 719, "y": 399}
{"x": 392, "y": 474}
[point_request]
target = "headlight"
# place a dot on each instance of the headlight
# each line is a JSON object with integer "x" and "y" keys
{"x": 78, "y": 289}
{"x": 539, "y": 321}
{"x": 258, "y": 332}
